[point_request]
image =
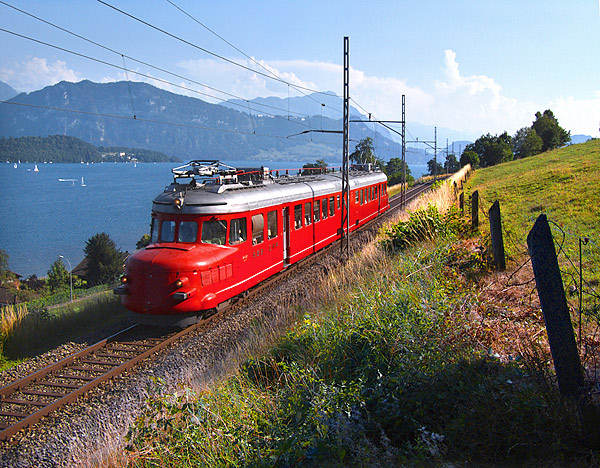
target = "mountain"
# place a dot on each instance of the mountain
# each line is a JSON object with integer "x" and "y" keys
{"x": 6, "y": 92}
{"x": 325, "y": 104}
{"x": 575, "y": 139}
{"x": 66, "y": 149}
{"x": 139, "y": 115}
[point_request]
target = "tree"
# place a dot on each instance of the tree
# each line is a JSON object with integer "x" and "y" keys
{"x": 526, "y": 142}
{"x": 552, "y": 134}
{"x": 492, "y": 150}
{"x": 4, "y": 271}
{"x": 364, "y": 153}
{"x": 58, "y": 275}
{"x": 469, "y": 157}
{"x": 451, "y": 165}
{"x": 318, "y": 167}
{"x": 143, "y": 242}
{"x": 104, "y": 263}
{"x": 431, "y": 167}
{"x": 393, "y": 170}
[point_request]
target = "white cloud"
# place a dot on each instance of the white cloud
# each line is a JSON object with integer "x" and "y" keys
{"x": 37, "y": 73}
{"x": 581, "y": 116}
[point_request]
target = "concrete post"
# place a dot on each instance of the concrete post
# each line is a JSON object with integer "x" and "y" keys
{"x": 496, "y": 235}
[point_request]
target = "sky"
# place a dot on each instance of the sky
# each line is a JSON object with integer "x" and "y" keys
{"x": 475, "y": 66}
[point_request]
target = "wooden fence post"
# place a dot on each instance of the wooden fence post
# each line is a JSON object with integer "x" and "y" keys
{"x": 461, "y": 203}
{"x": 475, "y": 209}
{"x": 554, "y": 307}
{"x": 496, "y": 234}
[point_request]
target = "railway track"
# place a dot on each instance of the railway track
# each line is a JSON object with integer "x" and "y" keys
{"x": 26, "y": 401}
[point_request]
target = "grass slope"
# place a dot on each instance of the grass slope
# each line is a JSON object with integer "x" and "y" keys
{"x": 564, "y": 184}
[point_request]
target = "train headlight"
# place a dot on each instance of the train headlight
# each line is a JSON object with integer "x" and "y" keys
{"x": 178, "y": 202}
{"x": 181, "y": 282}
{"x": 124, "y": 280}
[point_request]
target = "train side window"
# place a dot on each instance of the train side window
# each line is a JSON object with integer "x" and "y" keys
{"x": 338, "y": 202}
{"x": 331, "y": 206}
{"x": 258, "y": 228}
{"x": 297, "y": 216}
{"x": 324, "y": 210}
{"x": 272, "y": 224}
{"x": 237, "y": 231}
{"x": 154, "y": 231}
{"x": 317, "y": 211}
{"x": 214, "y": 231}
{"x": 362, "y": 197}
{"x": 357, "y": 196}
{"x": 167, "y": 231}
{"x": 376, "y": 194}
{"x": 307, "y": 213}
{"x": 188, "y": 231}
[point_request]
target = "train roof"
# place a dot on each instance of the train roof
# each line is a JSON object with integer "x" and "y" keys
{"x": 229, "y": 193}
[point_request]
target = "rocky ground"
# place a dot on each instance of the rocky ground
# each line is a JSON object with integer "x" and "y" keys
{"x": 88, "y": 432}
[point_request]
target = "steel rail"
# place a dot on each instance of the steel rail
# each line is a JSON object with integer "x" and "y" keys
{"x": 20, "y": 386}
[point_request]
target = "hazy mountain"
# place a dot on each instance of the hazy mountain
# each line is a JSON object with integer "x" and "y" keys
{"x": 179, "y": 126}
{"x": 312, "y": 105}
{"x": 575, "y": 139}
{"x": 6, "y": 92}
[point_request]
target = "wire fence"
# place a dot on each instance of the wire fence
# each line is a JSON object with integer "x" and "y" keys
{"x": 578, "y": 256}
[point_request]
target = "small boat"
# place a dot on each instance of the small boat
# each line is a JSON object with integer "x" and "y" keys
{"x": 15, "y": 166}
{"x": 82, "y": 183}
{"x": 35, "y": 168}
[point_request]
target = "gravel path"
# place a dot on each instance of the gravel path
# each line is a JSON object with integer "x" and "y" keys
{"x": 87, "y": 432}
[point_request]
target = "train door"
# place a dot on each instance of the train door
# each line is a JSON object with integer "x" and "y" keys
{"x": 286, "y": 236}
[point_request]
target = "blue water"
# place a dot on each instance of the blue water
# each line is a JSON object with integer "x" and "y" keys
{"x": 43, "y": 217}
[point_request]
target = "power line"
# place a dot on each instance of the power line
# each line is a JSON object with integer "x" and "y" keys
{"x": 148, "y": 64}
{"x": 138, "y": 119}
{"x": 191, "y": 44}
{"x": 134, "y": 71}
{"x": 242, "y": 52}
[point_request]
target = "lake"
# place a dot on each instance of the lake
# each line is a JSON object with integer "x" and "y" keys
{"x": 50, "y": 213}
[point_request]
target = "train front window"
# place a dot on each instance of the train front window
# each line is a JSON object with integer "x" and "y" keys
{"x": 188, "y": 231}
{"x": 214, "y": 231}
{"x": 167, "y": 231}
{"x": 237, "y": 231}
{"x": 154, "y": 231}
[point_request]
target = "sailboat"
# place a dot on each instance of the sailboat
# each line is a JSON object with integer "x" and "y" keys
{"x": 82, "y": 183}
{"x": 15, "y": 166}
{"x": 35, "y": 168}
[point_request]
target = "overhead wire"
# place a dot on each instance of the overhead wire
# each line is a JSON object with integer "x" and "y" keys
{"x": 139, "y": 119}
{"x": 191, "y": 44}
{"x": 243, "y": 53}
{"x": 104, "y": 62}
{"x": 149, "y": 64}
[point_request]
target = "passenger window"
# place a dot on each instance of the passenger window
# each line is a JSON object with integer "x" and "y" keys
{"x": 271, "y": 224}
{"x": 297, "y": 216}
{"x": 357, "y": 196}
{"x": 338, "y": 202}
{"x": 188, "y": 231}
{"x": 154, "y": 231}
{"x": 307, "y": 213}
{"x": 237, "y": 231}
{"x": 316, "y": 212}
{"x": 324, "y": 211}
{"x": 258, "y": 228}
{"x": 214, "y": 231}
{"x": 331, "y": 206}
{"x": 376, "y": 194}
{"x": 167, "y": 231}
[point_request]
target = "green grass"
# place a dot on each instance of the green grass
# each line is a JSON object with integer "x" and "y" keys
{"x": 33, "y": 333}
{"x": 387, "y": 374}
{"x": 564, "y": 184}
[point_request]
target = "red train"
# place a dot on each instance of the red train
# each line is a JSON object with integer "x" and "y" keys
{"x": 217, "y": 231}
